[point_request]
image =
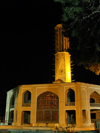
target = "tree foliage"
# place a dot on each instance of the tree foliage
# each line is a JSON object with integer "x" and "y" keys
{"x": 81, "y": 19}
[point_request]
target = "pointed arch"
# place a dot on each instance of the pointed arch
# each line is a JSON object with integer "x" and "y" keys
{"x": 48, "y": 107}
{"x": 70, "y": 97}
{"x": 94, "y": 99}
{"x": 27, "y": 98}
{"x": 94, "y": 95}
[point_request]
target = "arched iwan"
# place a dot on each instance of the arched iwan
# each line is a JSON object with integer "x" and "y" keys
{"x": 48, "y": 108}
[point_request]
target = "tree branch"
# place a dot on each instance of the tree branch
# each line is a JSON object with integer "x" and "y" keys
{"x": 97, "y": 11}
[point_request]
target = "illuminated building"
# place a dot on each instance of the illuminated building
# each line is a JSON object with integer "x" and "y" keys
{"x": 60, "y": 103}
{"x": 62, "y": 57}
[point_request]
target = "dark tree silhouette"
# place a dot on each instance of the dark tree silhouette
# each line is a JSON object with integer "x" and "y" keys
{"x": 81, "y": 19}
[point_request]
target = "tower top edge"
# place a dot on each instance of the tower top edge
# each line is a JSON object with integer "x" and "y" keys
{"x": 58, "y": 26}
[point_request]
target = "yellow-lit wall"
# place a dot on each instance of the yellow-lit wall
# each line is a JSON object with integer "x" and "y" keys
{"x": 82, "y": 91}
{"x": 62, "y": 66}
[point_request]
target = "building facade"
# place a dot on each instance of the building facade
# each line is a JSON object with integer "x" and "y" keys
{"x": 57, "y": 104}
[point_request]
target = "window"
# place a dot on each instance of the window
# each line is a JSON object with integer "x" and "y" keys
{"x": 26, "y": 117}
{"x": 27, "y": 99}
{"x": 70, "y": 100}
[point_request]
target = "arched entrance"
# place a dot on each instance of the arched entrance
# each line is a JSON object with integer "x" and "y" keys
{"x": 48, "y": 108}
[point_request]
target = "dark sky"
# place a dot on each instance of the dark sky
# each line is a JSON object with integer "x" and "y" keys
{"x": 26, "y": 44}
{"x": 27, "y": 41}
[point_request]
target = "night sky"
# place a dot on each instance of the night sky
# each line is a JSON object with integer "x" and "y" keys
{"x": 26, "y": 45}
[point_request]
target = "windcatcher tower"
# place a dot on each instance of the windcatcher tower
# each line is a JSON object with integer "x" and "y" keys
{"x": 62, "y": 57}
